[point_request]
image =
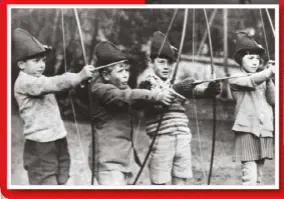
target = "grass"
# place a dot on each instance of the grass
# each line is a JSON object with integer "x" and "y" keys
{"x": 225, "y": 171}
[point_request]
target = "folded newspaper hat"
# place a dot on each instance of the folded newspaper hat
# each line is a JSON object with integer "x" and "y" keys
{"x": 244, "y": 44}
{"x": 25, "y": 46}
{"x": 108, "y": 53}
{"x": 160, "y": 50}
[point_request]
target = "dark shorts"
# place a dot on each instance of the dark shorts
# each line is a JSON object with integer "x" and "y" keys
{"x": 47, "y": 163}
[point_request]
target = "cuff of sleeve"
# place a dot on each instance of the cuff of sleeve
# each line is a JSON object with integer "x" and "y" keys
{"x": 159, "y": 96}
{"x": 263, "y": 76}
{"x": 75, "y": 79}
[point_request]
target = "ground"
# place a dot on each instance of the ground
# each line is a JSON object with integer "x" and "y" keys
{"x": 225, "y": 171}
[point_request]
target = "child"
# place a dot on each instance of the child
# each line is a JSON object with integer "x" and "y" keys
{"x": 46, "y": 156}
{"x": 112, "y": 116}
{"x": 254, "y": 97}
{"x": 171, "y": 156}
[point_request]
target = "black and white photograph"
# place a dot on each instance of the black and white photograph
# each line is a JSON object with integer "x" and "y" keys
{"x": 152, "y": 96}
{"x": 211, "y": 1}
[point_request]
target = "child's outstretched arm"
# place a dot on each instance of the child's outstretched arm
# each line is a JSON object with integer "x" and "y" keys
{"x": 188, "y": 89}
{"x": 253, "y": 80}
{"x": 110, "y": 95}
{"x": 36, "y": 86}
{"x": 185, "y": 87}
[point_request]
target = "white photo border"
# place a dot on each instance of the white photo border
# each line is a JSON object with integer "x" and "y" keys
{"x": 143, "y": 6}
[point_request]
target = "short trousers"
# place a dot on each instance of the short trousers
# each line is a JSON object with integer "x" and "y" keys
{"x": 113, "y": 177}
{"x": 47, "y": 163}
{"x": 171, "y": 157}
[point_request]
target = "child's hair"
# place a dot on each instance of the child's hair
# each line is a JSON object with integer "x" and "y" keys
{"x": 240, "y": 54}
{"x": 106, "y": 70}
{"x": 40, "y": 55}
{"x": 37, "y": 56}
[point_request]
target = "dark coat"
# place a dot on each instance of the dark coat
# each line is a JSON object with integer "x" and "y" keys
{"x": 113, "y": 120}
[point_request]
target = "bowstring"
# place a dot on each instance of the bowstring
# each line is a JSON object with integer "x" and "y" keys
{"x": 270, "y": 21}
{"x": 90, "y": 95}
{"x": 264, "y": 33}
{"x": 194, "y": 102}
{"x": 214, "y": 99}
{"x": 70, "y": 92}
{"x": 70, "y": 95}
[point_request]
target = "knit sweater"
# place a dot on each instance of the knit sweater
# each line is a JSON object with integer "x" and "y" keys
{"x": 38, "y": 107}
{"x": 174, "y": 120}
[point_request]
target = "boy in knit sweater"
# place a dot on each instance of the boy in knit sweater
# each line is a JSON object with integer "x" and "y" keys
{"x": 171, "y": 156}
{"x": 114, "y": 102}
{"x": 46, "y": 155}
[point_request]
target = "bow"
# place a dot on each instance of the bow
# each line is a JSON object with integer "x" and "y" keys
{"x": 70, "y": 93}
{"x": 267, "y": 49}
{"x": 264, "y": 33}
{"x": 263, "y": 28}
{"x": 90, "y": 94}
{"x": 167, "y": 33}
{"x": 172, "y": 80}
{"x": 214, "y": 99}
{"x": 180, "y": 47}
{"x": 270, "y": 22}
{"x": 194, "y": 99}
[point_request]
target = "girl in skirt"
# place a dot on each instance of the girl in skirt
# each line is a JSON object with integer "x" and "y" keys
{"x": 253, "y": 91}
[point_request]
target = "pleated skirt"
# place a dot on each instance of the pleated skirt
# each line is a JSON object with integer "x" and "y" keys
{"x": 249, "y": 147}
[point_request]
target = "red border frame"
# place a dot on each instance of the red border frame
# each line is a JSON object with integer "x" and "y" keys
{"x": 118, "y": 193}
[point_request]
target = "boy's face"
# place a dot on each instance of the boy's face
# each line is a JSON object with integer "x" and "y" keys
{"x": 34, "y": 66}
{"x": 251, "y": 62}
{"x": 118, "y": 76}
{"x": 162, "y": 68}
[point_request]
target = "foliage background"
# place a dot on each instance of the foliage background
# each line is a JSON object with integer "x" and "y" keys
{"x": 131, "y": 30}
